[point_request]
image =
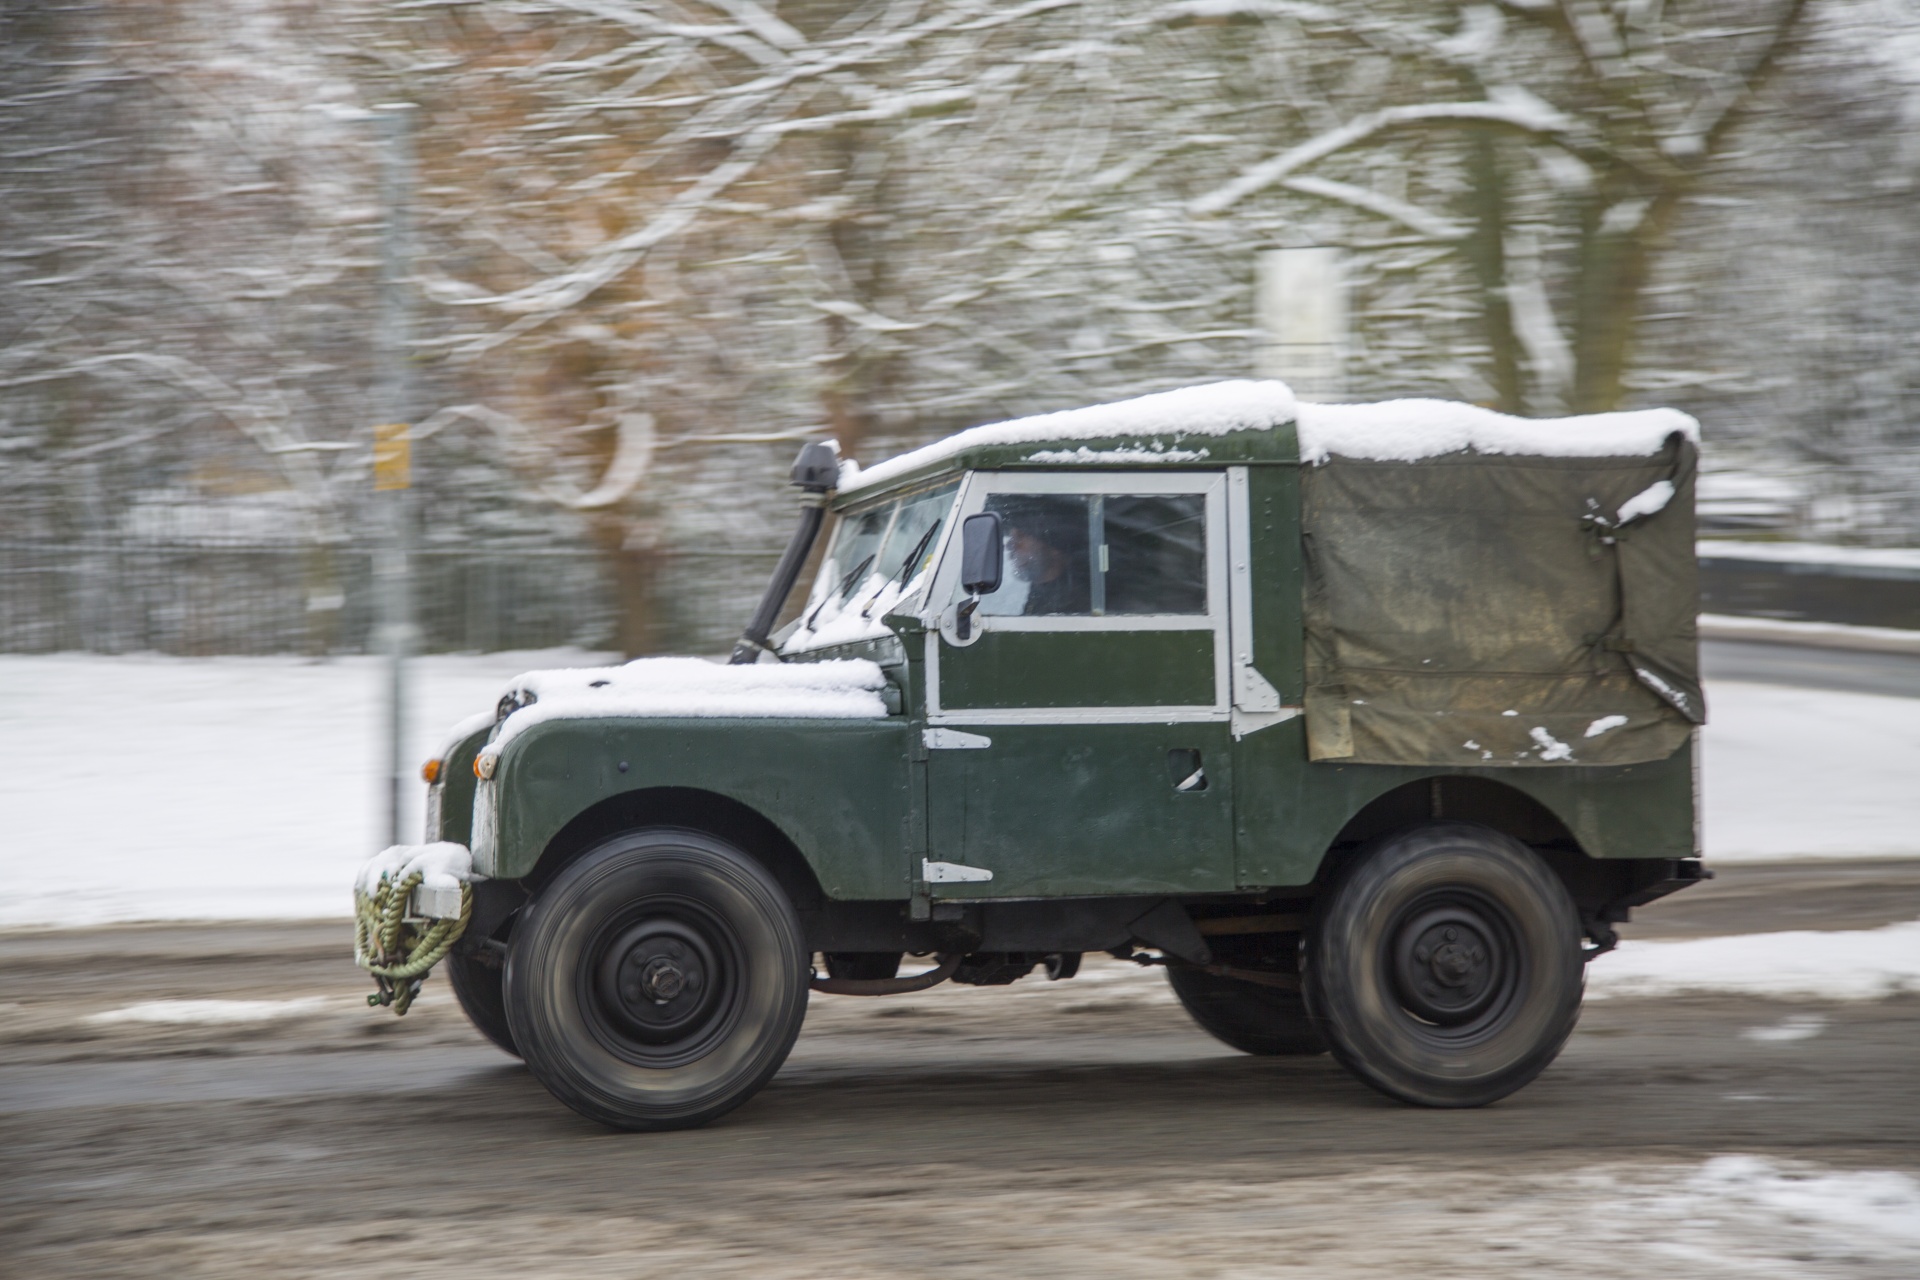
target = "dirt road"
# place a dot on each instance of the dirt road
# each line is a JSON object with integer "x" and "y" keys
{"x": 1049, "y": 1129}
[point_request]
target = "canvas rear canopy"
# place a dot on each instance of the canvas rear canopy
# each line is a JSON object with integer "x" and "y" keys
{"x": 1510, "y": 610}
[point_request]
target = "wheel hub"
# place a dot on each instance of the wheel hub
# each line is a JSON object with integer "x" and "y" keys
{"x": 1448, "y": 964}
{"x": 660, "y": 981}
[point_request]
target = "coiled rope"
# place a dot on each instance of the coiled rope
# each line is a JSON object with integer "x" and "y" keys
{"x": 398, "y": 952}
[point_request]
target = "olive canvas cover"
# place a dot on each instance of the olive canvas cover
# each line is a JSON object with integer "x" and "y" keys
{"x": 1477, "y": 610}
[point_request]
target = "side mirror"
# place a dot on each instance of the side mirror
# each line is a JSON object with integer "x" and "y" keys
{"x": 980, "y": 554}
{"x": 979, "y": 567}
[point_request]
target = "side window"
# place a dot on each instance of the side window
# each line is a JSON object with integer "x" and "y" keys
{"x": 1100, "y": 555}
{"x": 1156, "y": 553}
{"x": 1048, "y": 566}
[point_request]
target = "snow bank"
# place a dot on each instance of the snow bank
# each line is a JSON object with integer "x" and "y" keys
{"x": 1857, "y": 964}
{"x": 1795, "y": 773}
{"x": 204, "y": 1012}
{"x": 441, "y": 866}
{"x": 1213, "y": 409}
{"x": 155, "y": 788}
{"x": 1867, "y": 1202}
{"x": 1408, "y": 430}
{"x": 144, "y": 788}
{"x": 845, "y": 689}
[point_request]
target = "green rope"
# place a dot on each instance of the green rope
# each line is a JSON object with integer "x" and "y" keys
{"x": 396, "y": 951}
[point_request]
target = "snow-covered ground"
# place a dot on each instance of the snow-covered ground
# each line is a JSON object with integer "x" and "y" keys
{"x": 1805, "y": 964}
{"x": 148, "y": 787}
{"x": 176, "y": 788}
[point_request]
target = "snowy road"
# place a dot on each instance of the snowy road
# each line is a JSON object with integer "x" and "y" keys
{"x": 1047, "y": 1129}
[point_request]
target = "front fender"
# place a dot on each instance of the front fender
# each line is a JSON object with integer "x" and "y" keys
{"x": 838, "y": 789}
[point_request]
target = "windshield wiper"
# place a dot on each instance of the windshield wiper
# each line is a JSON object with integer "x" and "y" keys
{"x": 840, "y": 590}
{"x": 913, "y": 556}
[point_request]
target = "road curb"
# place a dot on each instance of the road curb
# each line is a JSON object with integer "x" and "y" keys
{"x": 1814, "y": 635}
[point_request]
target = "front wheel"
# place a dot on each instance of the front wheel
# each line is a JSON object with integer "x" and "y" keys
{"x": 1445, "y": 967}
{"x": 658, "y": 982}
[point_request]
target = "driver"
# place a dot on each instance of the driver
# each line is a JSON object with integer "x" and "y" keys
{"x": 1047, "y": 545}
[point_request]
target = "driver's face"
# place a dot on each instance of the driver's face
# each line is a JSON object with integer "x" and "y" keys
{"x": 1033, "y": 560}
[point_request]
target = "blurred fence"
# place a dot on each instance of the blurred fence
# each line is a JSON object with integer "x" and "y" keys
{"x": 197, "y": 599}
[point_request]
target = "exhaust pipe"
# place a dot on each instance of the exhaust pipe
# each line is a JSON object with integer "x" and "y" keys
{"x": 889, "y": 986}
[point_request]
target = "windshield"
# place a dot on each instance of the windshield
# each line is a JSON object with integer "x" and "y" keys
{"x": 875, "y": 559}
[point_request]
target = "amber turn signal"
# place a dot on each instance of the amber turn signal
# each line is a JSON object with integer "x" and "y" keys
{"x": 483, "y": 765}
{"x": 430, "y": 771}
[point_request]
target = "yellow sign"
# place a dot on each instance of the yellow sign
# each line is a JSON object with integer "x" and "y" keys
{"x": 392, "y": 457}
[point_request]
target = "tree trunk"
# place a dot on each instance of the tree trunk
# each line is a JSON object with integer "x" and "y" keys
{"x": 634, "y": 560}
{"x": 1611, "y": 274}
{"x": 1486, "y": 253}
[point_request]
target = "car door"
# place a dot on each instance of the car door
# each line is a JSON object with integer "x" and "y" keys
{"x": 1078, "y": 738}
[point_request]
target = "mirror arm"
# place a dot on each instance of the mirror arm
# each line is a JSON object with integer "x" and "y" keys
{"x": 963, "y": 617}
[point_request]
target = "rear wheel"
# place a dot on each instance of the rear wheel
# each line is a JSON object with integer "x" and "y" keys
{"x": 658, "y": 982}
{"x": 1445, "y": 967}
{"x": 863, "y": 966}
{"x": 478, "y": 987}
{"x": 1266, "y": 1021}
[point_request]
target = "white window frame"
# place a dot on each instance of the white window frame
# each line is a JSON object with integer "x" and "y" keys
{"x": 1217, "y": 620}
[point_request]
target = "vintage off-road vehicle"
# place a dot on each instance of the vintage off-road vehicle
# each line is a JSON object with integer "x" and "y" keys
{"x": 1368, "y": 722}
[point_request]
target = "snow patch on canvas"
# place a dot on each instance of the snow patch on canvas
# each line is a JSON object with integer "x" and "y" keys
{"x": 1409, "y": 430}
{"x": 1212, "y": 409}
{"x": 1804, "y": 964}
{"x": 1603, "y": 724}
{"x": 843, "y": 689}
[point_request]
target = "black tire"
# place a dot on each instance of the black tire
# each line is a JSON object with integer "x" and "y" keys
{"x": 1444, "y": 967}
{"x": 478, "y": 988}
{"x": 658, "y": 982}
{"x": 1264, "y": 1021}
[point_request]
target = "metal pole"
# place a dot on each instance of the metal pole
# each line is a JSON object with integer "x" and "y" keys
{"x": 393, "y": 462}
{"x": 1300, "y": 301}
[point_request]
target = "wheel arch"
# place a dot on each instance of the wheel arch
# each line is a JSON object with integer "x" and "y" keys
{"x": 1593, "y": 883}
{"x": 692, "y": 808}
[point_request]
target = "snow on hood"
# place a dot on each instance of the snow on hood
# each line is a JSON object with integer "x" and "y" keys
{"x": 845, "y": 689}
{"x": 1212, "y": 409}
{"x": 1409, "y": 430}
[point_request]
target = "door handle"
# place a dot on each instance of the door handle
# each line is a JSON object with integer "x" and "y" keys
{"x": 1186, "y": 770}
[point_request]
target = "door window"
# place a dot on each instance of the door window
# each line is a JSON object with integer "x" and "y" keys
{"x": 1100, "y": 555}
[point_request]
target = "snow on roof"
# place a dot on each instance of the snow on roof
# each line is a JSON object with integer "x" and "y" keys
{"x": 1391, "y": 430}
{"x": 1212, "y": 409}
{"x": 1408, "y": 430}
{"x": 846, "y": 689}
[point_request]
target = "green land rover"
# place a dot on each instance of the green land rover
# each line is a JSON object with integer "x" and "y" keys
{"x": 1367, "y": 722}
